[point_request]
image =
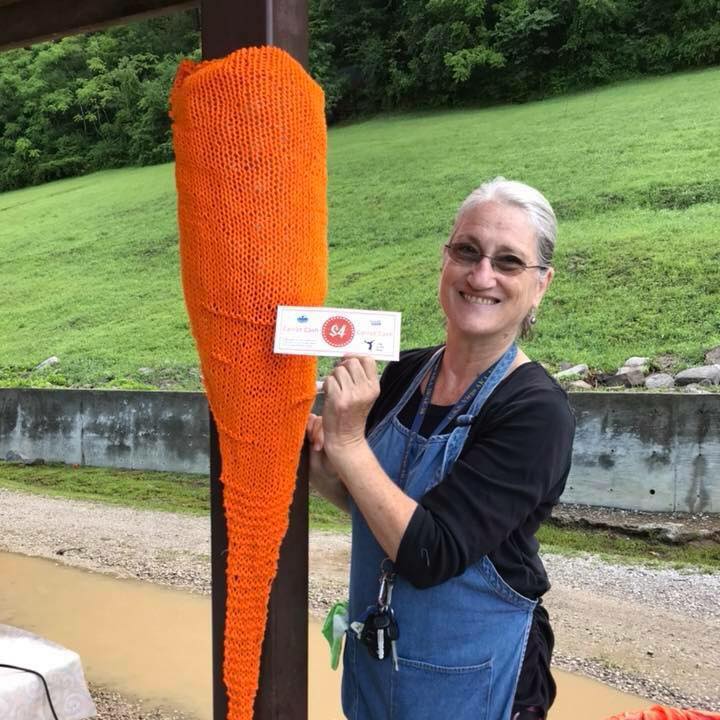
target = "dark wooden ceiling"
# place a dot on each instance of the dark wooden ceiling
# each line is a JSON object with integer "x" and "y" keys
{"x": 23, "y": 22}
{"x": 226, "y": 24}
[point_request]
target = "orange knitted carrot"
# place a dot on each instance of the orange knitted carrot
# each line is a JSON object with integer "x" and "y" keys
{"x": 250, "y": 146}
{"x": 657, "y": 712}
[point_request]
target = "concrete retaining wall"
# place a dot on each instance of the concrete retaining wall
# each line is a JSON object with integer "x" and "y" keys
{"x": 643, "y": 451}
{"x": 657, "y": 452}
{"x": 113, "y": 428}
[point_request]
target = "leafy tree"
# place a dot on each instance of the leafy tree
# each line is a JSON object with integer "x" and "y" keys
{"x": 89, "y": 102}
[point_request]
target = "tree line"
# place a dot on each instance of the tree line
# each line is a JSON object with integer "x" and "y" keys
{"x": 89, "y": 102}
{"x": 100, "y": 100}
{"x": 384, "y": 54}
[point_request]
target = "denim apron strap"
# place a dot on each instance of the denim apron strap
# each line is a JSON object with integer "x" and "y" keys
{"x": 464, "y": 422}
{"x": 477, "y": 389}
{"x": 414, "y": 385}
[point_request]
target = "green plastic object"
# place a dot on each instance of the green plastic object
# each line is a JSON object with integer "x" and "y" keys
{"x": 333, "y": 629}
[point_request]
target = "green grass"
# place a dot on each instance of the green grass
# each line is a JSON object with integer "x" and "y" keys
{"x": 704, "y": 555}
{"x": 176, "y": 492}
{"x": 173, "y": 492}
{"x": 89, "y": 270}
{"x": 325, "y": 516}
{"x": 89, "y": 266}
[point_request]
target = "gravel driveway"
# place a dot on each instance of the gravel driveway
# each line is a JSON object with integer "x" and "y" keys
{"x": 649, "y": 631}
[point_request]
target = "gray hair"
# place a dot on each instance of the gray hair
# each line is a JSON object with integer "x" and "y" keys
{"x": 531, "y": 201}
{"x": 537, "y": 209}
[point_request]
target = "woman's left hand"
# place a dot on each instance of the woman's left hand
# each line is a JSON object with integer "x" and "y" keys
{"x": 350, "y": 391}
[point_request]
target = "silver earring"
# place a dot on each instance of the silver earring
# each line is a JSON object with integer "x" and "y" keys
{"x": 533, "y": 318}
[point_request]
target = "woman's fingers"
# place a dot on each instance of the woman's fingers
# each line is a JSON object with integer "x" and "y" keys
{"x": 311, "y": 423}
{"x": 319, "y": 439}
{"x": 314, "y": 432}
{"x": 369, "y": 367}
{"x": 354, "y": 369}
{"x": 360, "y": 368}
{"x": 309, "y": 426}
{"x": 350, "y": 391}
{"x": 331, "y": 385}
{"x": 343, "y": 377}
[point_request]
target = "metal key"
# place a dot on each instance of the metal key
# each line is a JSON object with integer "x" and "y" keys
{"x": 381, "y": 623}
{"x": 393, "y": 633}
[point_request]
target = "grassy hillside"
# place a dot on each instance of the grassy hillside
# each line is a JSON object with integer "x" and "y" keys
{"x": 88, "y": 266}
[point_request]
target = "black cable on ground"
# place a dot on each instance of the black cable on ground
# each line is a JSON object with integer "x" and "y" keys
{"x": 35, "y": 672}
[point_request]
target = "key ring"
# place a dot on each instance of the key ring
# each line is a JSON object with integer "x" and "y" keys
{"x": 382, "y": 593}
{"x": 387, "y": 576}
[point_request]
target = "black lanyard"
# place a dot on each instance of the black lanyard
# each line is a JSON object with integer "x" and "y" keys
{"x": 467, "y": 397}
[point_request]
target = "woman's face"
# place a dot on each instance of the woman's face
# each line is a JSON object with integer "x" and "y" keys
{"x": 481, "y": 303}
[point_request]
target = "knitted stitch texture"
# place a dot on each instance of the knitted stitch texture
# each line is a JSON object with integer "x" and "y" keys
{"x": 250, "y": 147}
{"x": 658, "y": 712}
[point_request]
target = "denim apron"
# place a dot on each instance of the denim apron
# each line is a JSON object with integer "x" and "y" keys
{"x": 462, "y": 642}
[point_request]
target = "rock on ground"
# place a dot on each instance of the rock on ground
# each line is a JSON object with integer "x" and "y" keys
{"x": 712, "y": 357}
{"x": 704, "y": 373}
{"x": 636, "y": 362}
{"x": 571, "y": 372}
{"x": 114, "y": 706}
{"x": 659, "y": 380}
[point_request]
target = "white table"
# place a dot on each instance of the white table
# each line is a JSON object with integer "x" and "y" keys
{"x": 22, "y": 694}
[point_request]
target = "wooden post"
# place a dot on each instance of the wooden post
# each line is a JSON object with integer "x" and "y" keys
{"x": 226, "y": 26}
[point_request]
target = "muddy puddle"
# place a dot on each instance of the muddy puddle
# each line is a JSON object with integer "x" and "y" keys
{"x": 153, "y": 643}
{"x": 147, "y": 641}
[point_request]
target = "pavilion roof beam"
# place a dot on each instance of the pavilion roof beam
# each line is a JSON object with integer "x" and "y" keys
{"x": 24, "y": 22}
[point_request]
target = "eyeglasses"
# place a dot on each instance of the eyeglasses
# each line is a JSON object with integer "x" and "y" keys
{"x": 464, "y": 253}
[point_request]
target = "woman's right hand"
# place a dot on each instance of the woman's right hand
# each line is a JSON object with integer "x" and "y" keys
{"x": 314, "y": 432}
{"x": 323, "y": 476}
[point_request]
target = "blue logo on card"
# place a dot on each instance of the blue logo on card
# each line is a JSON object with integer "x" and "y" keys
{"x": 302, "y": 318}
{"x": 376, "y": 322}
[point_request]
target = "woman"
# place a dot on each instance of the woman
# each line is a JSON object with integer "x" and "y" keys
{"x": 448, "y": 466}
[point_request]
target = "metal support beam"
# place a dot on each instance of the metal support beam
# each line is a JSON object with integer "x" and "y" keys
{"x": 226, "y": 26}
{"x": 24, "y": 22}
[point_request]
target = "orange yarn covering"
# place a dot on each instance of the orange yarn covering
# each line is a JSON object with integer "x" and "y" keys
{"x": 250, "y": 145}
{"x": 657, "y": 712}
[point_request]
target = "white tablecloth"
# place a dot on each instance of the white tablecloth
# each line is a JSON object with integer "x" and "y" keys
{"x": 22, "y": 695}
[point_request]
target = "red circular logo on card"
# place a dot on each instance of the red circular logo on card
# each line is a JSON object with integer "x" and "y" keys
{"x": 338, "y": 331}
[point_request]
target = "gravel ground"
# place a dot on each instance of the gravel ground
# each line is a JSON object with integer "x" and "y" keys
{"x": 694, "y": 594}
{"x": 114, "y": 706}
{"x": 160, "y": 547}
{"x": 648, "y": 631}
{"x": 624, "y": 630}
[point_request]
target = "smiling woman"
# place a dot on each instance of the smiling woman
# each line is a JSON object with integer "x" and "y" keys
{"x": 512, "y": 226}
{"x": 448, "y": 465}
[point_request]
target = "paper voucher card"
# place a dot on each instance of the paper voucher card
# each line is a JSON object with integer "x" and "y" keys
{"x": 336, "y": 332}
